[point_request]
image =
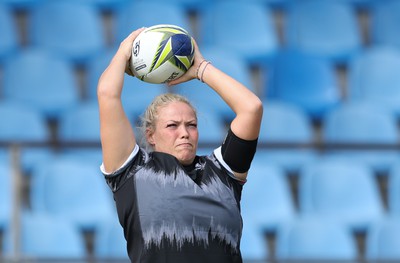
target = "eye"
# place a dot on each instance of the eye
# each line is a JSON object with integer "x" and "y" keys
{"x": 194, "y": 125}
{"x": 171, "y": 125}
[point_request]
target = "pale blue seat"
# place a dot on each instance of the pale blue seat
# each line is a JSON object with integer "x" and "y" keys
{"x": 286, "y": 123}
{"x": 109, "y": 241}
{"x": 373, "y": 77}
{"x": 9, "y": 41}
{"x": 267, "y": 201}
{"x": 151, "y": 13}
{"x": 24, "y": 5}
{"x": 48, "y": 84}
{"x": 22, "y": 124}
{"x": 81, "y": 125}
{"x": 46, "y": 237}
{"x": 70, "y": 29}
{"x": 253, "y": 244}
{"x": 189, "y": 6}
{"x": 303, "y": 79}
{"x": 362, "y": 123}
{"x": 384, "y": 21}
{"x": 245, "y": 28}
{"x": 327, "y": 28}
{"x": 74, "y": 190}
{"x": 383, "y": 242}
{"x": 341, "y": 190}
{"x": 315, "y": 239}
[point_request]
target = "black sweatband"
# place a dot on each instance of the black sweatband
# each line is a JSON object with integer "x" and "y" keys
{"x": 238, "y": 153}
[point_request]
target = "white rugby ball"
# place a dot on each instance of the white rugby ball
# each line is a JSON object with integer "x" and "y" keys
{"x": 161, "y": 53}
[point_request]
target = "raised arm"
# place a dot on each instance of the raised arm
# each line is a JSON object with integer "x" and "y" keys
{"x": 117, "y": 136}
{"x": 246, "y": 105}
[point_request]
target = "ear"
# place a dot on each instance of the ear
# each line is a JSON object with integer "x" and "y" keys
{"x": 150, "y": 137}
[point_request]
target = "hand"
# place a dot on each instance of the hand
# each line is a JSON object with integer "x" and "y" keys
{"x": 126, "y": 48}
{"x": 192, "y": 71}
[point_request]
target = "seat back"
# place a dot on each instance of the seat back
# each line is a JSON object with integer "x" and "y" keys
{"x": 305, "y": 80}
{"x": 382, "y": 240}
{"x": 48, "y": 83}
{"x": 342, "y": 190}
{"x": 336, "y": 35}
{"x": 315, "y": 239}
{"x": 384, "y": 20}
{"x": 51, "y": 27}
{"x": 9, "y": 41}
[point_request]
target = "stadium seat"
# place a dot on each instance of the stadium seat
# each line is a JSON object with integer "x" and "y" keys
{"x": 253, "y": 245}
{"x": 48, "y": 84}
{"x": 373, "y": 77}
{"x": 81, "y": 124}
{"x": 384, "y": 21}
{"x": 72, "y": 189}
{"x": 362, "y": 123}
{"x": 393, "y": 190}
{"x": 382, "y": 241}
{"x": 341, "y": 190}
{"x": 285, "y": 123}
{"x": 211, "y": 127}
{"x": 315, "y": 239}
{"x": 253, "y": 36}
{"x": 266, "y": 200}
{"x": 335, "y": 35}
{"x": 109, "y": 241}
{"x": 273, "y": 4}
{"x": 9, "y": 41}
{"x": 5, "y": 195}
{"x": 70, "y": 29}
{"x": 189, "y": 6}
{"x": 23, "y": 124}
{"x": 151, "y": 13}
{"x": 46, "y": 237}
{"x": 303, "y": 79}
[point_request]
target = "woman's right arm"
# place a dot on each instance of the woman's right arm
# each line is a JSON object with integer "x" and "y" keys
{"x": 116, "y": 132}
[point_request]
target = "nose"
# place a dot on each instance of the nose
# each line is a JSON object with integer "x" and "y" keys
{"x": 184, "y": 132}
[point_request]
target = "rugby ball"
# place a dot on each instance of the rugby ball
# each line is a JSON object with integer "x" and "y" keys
{"x": 161, "y": 53}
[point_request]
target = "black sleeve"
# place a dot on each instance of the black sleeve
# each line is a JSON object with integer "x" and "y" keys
{"x": 238, "y": 153}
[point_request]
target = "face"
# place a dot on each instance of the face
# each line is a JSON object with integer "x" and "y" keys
{"x": 176, "y": 132}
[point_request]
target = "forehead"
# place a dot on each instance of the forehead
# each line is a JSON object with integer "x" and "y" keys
{"x": 176, "y": 111}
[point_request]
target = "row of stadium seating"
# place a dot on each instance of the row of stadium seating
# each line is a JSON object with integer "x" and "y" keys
{"x": 337, "y": 200}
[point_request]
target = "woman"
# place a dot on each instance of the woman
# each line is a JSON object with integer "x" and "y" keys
{"x": 176, "y": 206}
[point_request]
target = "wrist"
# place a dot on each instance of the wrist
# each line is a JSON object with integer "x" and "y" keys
{"x": 201, "y": 69}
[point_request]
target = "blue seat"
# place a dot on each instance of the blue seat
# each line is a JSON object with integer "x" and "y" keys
{"x": 305, "y": 80}
{"x": 373, "y": 77}
{"x": 267, "y": 201}
{"x": 151, "y": 13}
{"x": 23, "y": 124}
{"x": 336, "y": 35}
{"x": 48, "y": 84}
{"x": 384, "y": 21}
{"x": 253, "y": 245}
{"x": 5, "y": 195}
{"x": 109, "y": 241}
{"x": 72, "y": 189}
{"x": 189, "y": 6}
{"x": 211, "y": 127}
{"x": 253, "y": 36}
{"x": 9, "y": 41}
{"x": 393, "y": 190}
{"x": 51, "y": 27}
{"x": 382, "y": 241}
{"x": 313, "y": 239}
{"x": 286, "y": 123}
{"x": 81, "y": 124}
{"x": 273, "y": 4}
{"x": 362, "y": 123}
{"x": 341, "y": 190}
{"x": 45, "y": 237}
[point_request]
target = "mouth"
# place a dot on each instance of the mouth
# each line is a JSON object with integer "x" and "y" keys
{"x": 185, "y": 145}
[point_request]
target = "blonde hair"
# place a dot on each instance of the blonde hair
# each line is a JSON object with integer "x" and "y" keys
{"x": 150, "y": 116}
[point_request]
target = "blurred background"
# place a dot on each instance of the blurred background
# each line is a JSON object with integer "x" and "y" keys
{"x": 325, "y": 181}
